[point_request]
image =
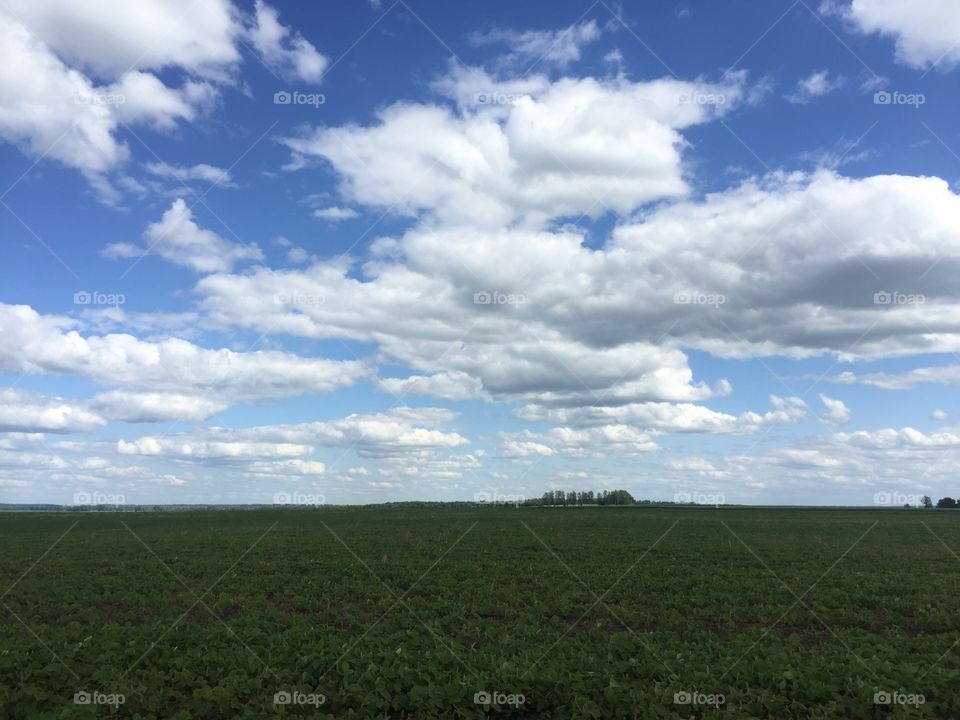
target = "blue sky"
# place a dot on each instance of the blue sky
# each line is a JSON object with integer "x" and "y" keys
{"x": 368, "y": 251}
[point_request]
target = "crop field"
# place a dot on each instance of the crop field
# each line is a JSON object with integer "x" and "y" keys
{"x": 471, "y": 612}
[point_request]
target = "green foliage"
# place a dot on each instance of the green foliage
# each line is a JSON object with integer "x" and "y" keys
{"x": 238, "y": 606}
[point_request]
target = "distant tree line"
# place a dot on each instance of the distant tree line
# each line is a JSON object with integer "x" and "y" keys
{"x": 944, "y": 502}
{"x": 578, "y": 498}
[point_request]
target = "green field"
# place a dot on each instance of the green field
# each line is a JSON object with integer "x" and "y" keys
{"x": 427, "y": 612}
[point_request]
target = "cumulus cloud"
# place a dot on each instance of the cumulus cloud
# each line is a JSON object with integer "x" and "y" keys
{"x": 109, "y": 38}
{"x": 795, "y": 265}
{"x": 284, "y": 51}
{"x": 551, "y": 47}
{"x": 395, "y": 433}
{"x": 177, "y": 238}
{"x": 165, "y": 370}
{"x": 55, "y": 110}
{"x": 669, "y": 417}
{"x": 925, "y": 31}
{"x": 940, "y": 375}
{"x": 837, "y": 412}
{"x": 870, "y": 466}
{"x": 817, "y": 84}
{"x": 335, "y": 214}
{"x": 576, "y": 146}
{"x": 155, "y": 407}
{"x": 23, "y": 412}
{"x": 70, "y": 76}
{"x": 202, "y": 171}
{"x": 578, "y": 442}
{"x": 455, "y": 385}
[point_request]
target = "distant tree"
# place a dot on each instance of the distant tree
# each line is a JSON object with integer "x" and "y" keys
{"x": 927, "y": 502}
{"x": 946, "y": 502}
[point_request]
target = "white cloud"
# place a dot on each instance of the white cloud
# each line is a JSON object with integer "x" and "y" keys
{"x": 553, "y": 47}
{"x": 940, "y": 375}
{"x": 798, "y": 261}
{"x": 202, "y": 171}
{"x": 939, "y": 415}
{"x": 284, "y": 51}
{"x": 401, "y": 432}
{"x": 817, "y": 84}
{"x": 925, "y": 31}
{"x": 837, "y": 412}
{"x": 455, "y": 385}
{"x": 335, "y": 214}
{"x": 54, "y": 110}
{"x": 574, "y": 442}
{"x": 111, "y": 38}
{"x": 177, "y": 238}
{"x": 23, "y": 412}
{"x": 669, "y": 417}
{"x": 699, "y": 467}
{"x": 71, "y": 75}
{"x": 578, "y": 146}
{"x": 155, "y": 407}
{"x": 164, "y": 370}
{"x": 185, "y": 449}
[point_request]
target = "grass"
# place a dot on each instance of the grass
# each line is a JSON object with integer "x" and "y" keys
{"x": 426, "y": 612}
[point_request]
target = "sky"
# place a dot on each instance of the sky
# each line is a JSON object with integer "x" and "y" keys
{"x": 361, "y": 251}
